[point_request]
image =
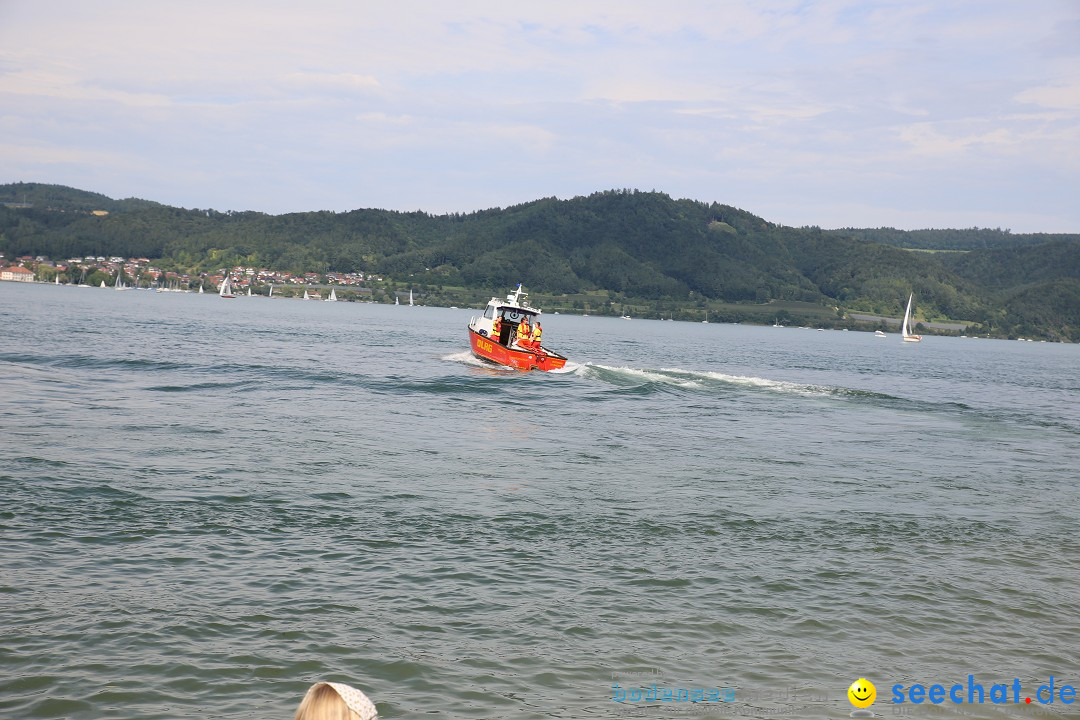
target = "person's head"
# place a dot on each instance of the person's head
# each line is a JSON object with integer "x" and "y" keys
{"x": 335, "y": 701}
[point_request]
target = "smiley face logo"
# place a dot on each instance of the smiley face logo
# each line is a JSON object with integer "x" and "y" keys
{"x": 862, "y": 693}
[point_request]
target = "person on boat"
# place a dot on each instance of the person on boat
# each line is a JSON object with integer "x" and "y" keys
{"x": 537, "y": 333}
{"x": 524, "y": 334}
{"x": 326, "y": 700}
{"x": 496, "y": 328}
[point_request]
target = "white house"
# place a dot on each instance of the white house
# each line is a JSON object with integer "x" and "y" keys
{"x": 16, "y": 273}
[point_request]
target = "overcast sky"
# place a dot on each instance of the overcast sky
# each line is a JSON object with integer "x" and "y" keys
{"x": 906, "y": 113}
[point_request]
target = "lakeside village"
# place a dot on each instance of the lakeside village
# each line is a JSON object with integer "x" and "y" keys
{"x": 138, "y": 273}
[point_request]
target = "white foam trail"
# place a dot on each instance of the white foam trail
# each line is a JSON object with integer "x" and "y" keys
{"x": 467, "y": 358}
{"x": 750, "y": 381}
{"x": 570, "y": 367}
{"x": 649, "y": 375}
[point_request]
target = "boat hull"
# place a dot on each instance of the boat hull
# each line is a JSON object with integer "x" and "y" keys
{"x": 486, "y": 349}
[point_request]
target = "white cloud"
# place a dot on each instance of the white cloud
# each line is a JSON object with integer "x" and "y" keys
{"x": 52, "y": 84}
{"x": 331, "y": 81}
{"x": 938, "y": 140}
{"x": 381, "y": 118}
{"x": 1060, "y": 96}
{"x": 28, "y": 156}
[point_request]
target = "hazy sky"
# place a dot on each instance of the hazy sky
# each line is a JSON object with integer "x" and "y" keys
{"x": 909, "y": 113}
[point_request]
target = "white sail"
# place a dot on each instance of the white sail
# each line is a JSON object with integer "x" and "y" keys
{"x": 396, "y": 300}
{"x": 271, "y": 291}
{"x": 200, "y": 290}
{"x": 410, "y": 297}
{"x": 249, "y": 291}
{"x": 905, "y": 329}
{"x": 226, "y": 287}
{"x": 333, "y": 296}
{"x": 102, "y": 283}
{"x": 306, "y": 296}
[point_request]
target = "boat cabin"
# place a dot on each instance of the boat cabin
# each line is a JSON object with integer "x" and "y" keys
{"x": 512, "y": 310}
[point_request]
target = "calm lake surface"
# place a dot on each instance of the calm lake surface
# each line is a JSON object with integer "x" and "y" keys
{"x": 206, "y": 505}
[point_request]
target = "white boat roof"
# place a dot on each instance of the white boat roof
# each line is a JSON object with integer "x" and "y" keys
{"x": 517, "y": 300}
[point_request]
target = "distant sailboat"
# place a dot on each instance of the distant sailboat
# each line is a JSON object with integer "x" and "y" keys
{"x": 249, "y": 291}
{"x": 906, "y": 327}
{"x": 271, "y": 291}
{"x": 706, "y": 320}
{"x": 410, "y": 298}
{"x": 226, "y": 290}
{"x": 57, "y": 278}
{"x": 396, "y": 299}
{"x": 333, "y": 296}
{"x": 306, "y": 296}
{"x": 102, "y": 283}
{"x": 200, "y": 289}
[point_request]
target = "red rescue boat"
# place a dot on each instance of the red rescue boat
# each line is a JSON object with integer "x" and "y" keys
{"x": 507, "y": 348}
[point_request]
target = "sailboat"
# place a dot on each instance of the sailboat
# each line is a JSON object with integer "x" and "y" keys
{"x": 200, "y": 289}
{"x": 410, "y": 297}
{"x": 306, "y": 296}
{"x": 906, "y": 327}
{"x": 249, "y": 291}
{"x": 120, "y": 281}
{"x": 333, "y": 295}
{"x": 226, "y": 290}
{"x": 102, "y": 283}
{"x": 271, "y": 291}
{"x": 396, "y": 299}
{"x": 706, "y": 320}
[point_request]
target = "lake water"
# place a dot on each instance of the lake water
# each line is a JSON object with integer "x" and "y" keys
{"x": 209, "y": 504}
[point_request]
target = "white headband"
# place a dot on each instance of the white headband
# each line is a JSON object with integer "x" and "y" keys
{"x": 357, "y": 701}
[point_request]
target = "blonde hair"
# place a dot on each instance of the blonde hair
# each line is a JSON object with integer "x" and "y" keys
{"x": 327, "y": 701}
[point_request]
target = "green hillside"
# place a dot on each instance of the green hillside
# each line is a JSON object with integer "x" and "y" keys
{"x": 609, "y": 251}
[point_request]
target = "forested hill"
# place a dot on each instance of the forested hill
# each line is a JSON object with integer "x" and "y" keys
{"x": 967, "y": 239}
{"x": 629, "y": 245}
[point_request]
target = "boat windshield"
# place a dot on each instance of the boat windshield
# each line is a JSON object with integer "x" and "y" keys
{"x": 514, "y": 314}
{"x": 489, "y": 313}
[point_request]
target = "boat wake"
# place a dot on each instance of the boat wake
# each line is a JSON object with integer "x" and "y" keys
{"x": 693, "y": 379}
{"x": 467, "y": 358}
{"x": 628, "y": 376}
{"x": 569, "y": 368}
